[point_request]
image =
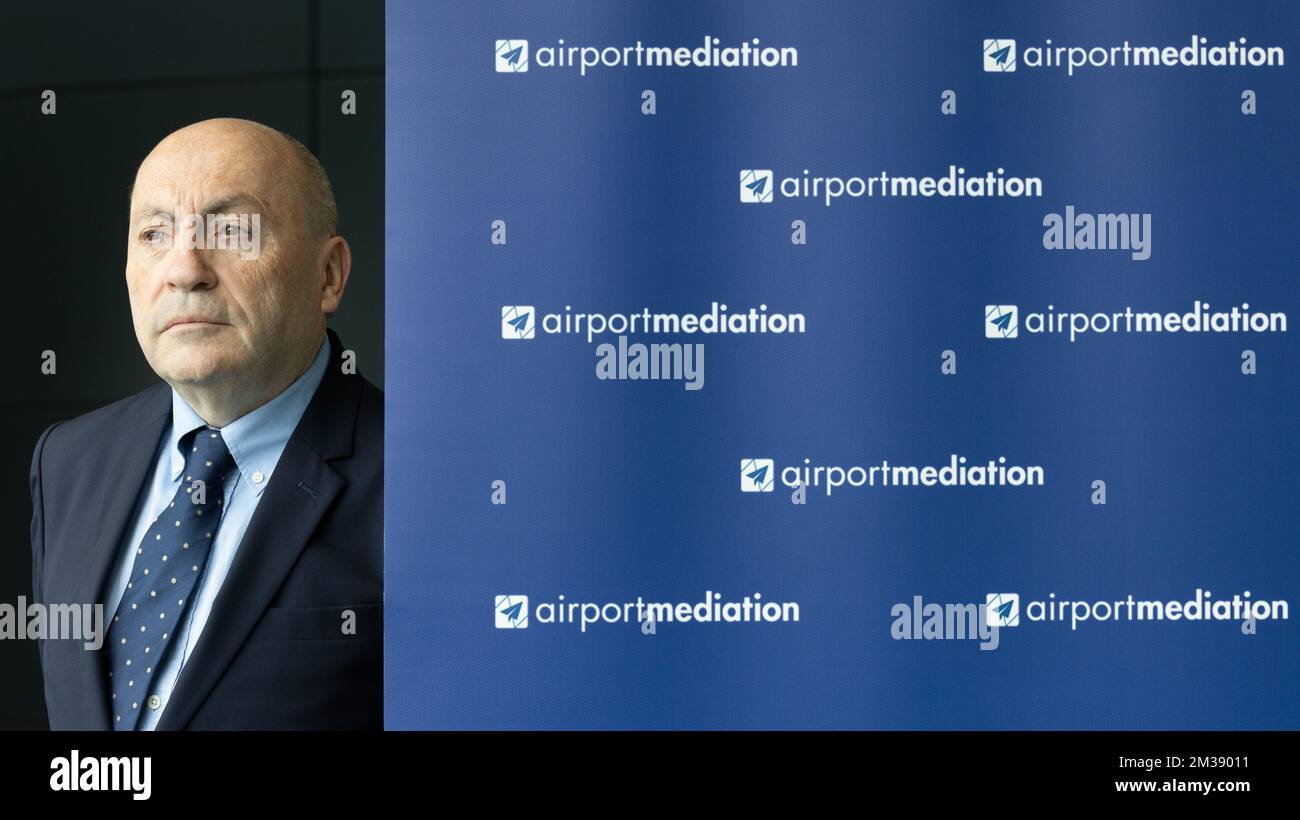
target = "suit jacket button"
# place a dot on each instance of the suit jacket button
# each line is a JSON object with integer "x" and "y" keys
{"x": 154, "y": 701}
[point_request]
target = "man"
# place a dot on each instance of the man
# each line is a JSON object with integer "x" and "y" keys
{"x": 230, "y": 519}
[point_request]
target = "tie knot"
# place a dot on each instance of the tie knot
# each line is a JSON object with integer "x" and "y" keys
{"x": 207, "y": 458}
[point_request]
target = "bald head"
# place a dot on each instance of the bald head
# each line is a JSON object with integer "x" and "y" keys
{"x": 231, "y": 319}
{"x": 269, "y": 151}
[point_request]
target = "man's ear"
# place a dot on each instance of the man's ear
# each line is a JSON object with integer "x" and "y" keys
{"x": 336, "y": 266}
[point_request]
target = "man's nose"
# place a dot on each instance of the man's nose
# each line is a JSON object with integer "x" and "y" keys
{"x": 188, "y": 269}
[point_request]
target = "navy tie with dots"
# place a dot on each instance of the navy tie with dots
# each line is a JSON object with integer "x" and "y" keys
{"x": 168, "y": 563}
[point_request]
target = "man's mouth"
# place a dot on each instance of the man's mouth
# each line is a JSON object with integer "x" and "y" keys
{"x": 183, "y": 322}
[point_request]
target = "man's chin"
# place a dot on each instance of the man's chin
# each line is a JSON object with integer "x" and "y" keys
{"x": 196, "y": 366}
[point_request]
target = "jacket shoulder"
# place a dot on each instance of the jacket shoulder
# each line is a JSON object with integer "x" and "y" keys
{"x": 107, "y": 420}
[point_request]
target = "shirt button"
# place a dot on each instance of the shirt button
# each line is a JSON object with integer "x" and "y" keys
{"x": 257, "y": 476}
{"x": 154, "y": 701}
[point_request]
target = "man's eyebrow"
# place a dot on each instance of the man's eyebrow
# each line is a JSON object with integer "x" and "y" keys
{"x": 225, "y": 204}
{"x": 147, "y": 213}
{"x": 250, "y": 203}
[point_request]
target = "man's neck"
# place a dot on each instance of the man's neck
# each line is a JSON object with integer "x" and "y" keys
{"x": 220, "y": 403}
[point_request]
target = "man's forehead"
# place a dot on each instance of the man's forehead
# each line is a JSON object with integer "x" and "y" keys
{"x": 185, "y": 164}
{"x": 184, "y": 187}
{"x": 184, "y": 174}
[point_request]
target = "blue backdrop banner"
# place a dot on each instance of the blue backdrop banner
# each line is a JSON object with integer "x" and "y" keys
{"x": 842, "y": 365}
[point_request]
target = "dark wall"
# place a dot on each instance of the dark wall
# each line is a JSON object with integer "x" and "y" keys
{"x": 127, "y": 74}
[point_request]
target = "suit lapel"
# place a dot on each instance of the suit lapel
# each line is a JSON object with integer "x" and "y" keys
{"x": 126, "y": 466}
{"x": 302, "y": 488}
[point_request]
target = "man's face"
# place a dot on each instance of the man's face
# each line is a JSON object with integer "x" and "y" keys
{"x": 209, "y": 315}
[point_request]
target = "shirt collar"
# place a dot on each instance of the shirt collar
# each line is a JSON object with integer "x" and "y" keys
{"x": 256, "y": 438}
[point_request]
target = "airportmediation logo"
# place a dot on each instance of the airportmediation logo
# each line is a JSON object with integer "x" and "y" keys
{"x": 760, "y": 185}
{"x": 624, "y": 357}
{"x": 515, "y": 56}
{"x": 1006, "y": 321}
{"x": 756, "y": 186}
{"x": 512, "y": 611}
{"x": 1003, "y": 609}
{"x": 757, "y": 475}
{"x": 1000, "y": 322}
{"x": 1000, "y": 55}
{"x": 761, "y": 475}
{"x": 512, "y": 56}
{"x": 518, "y": 322}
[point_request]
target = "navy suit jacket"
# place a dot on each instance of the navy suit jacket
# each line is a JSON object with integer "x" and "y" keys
{"x": 273, "y": 654}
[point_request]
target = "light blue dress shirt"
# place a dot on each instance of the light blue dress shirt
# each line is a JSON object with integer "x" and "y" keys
{"x": 256, "y": 441}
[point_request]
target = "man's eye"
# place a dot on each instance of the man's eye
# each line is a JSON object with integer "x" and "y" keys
{"x": 153, "y": 236}
{"x": 232, "y": 229}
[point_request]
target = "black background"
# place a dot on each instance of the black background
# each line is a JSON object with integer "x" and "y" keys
{"x": 980, "y": 774}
